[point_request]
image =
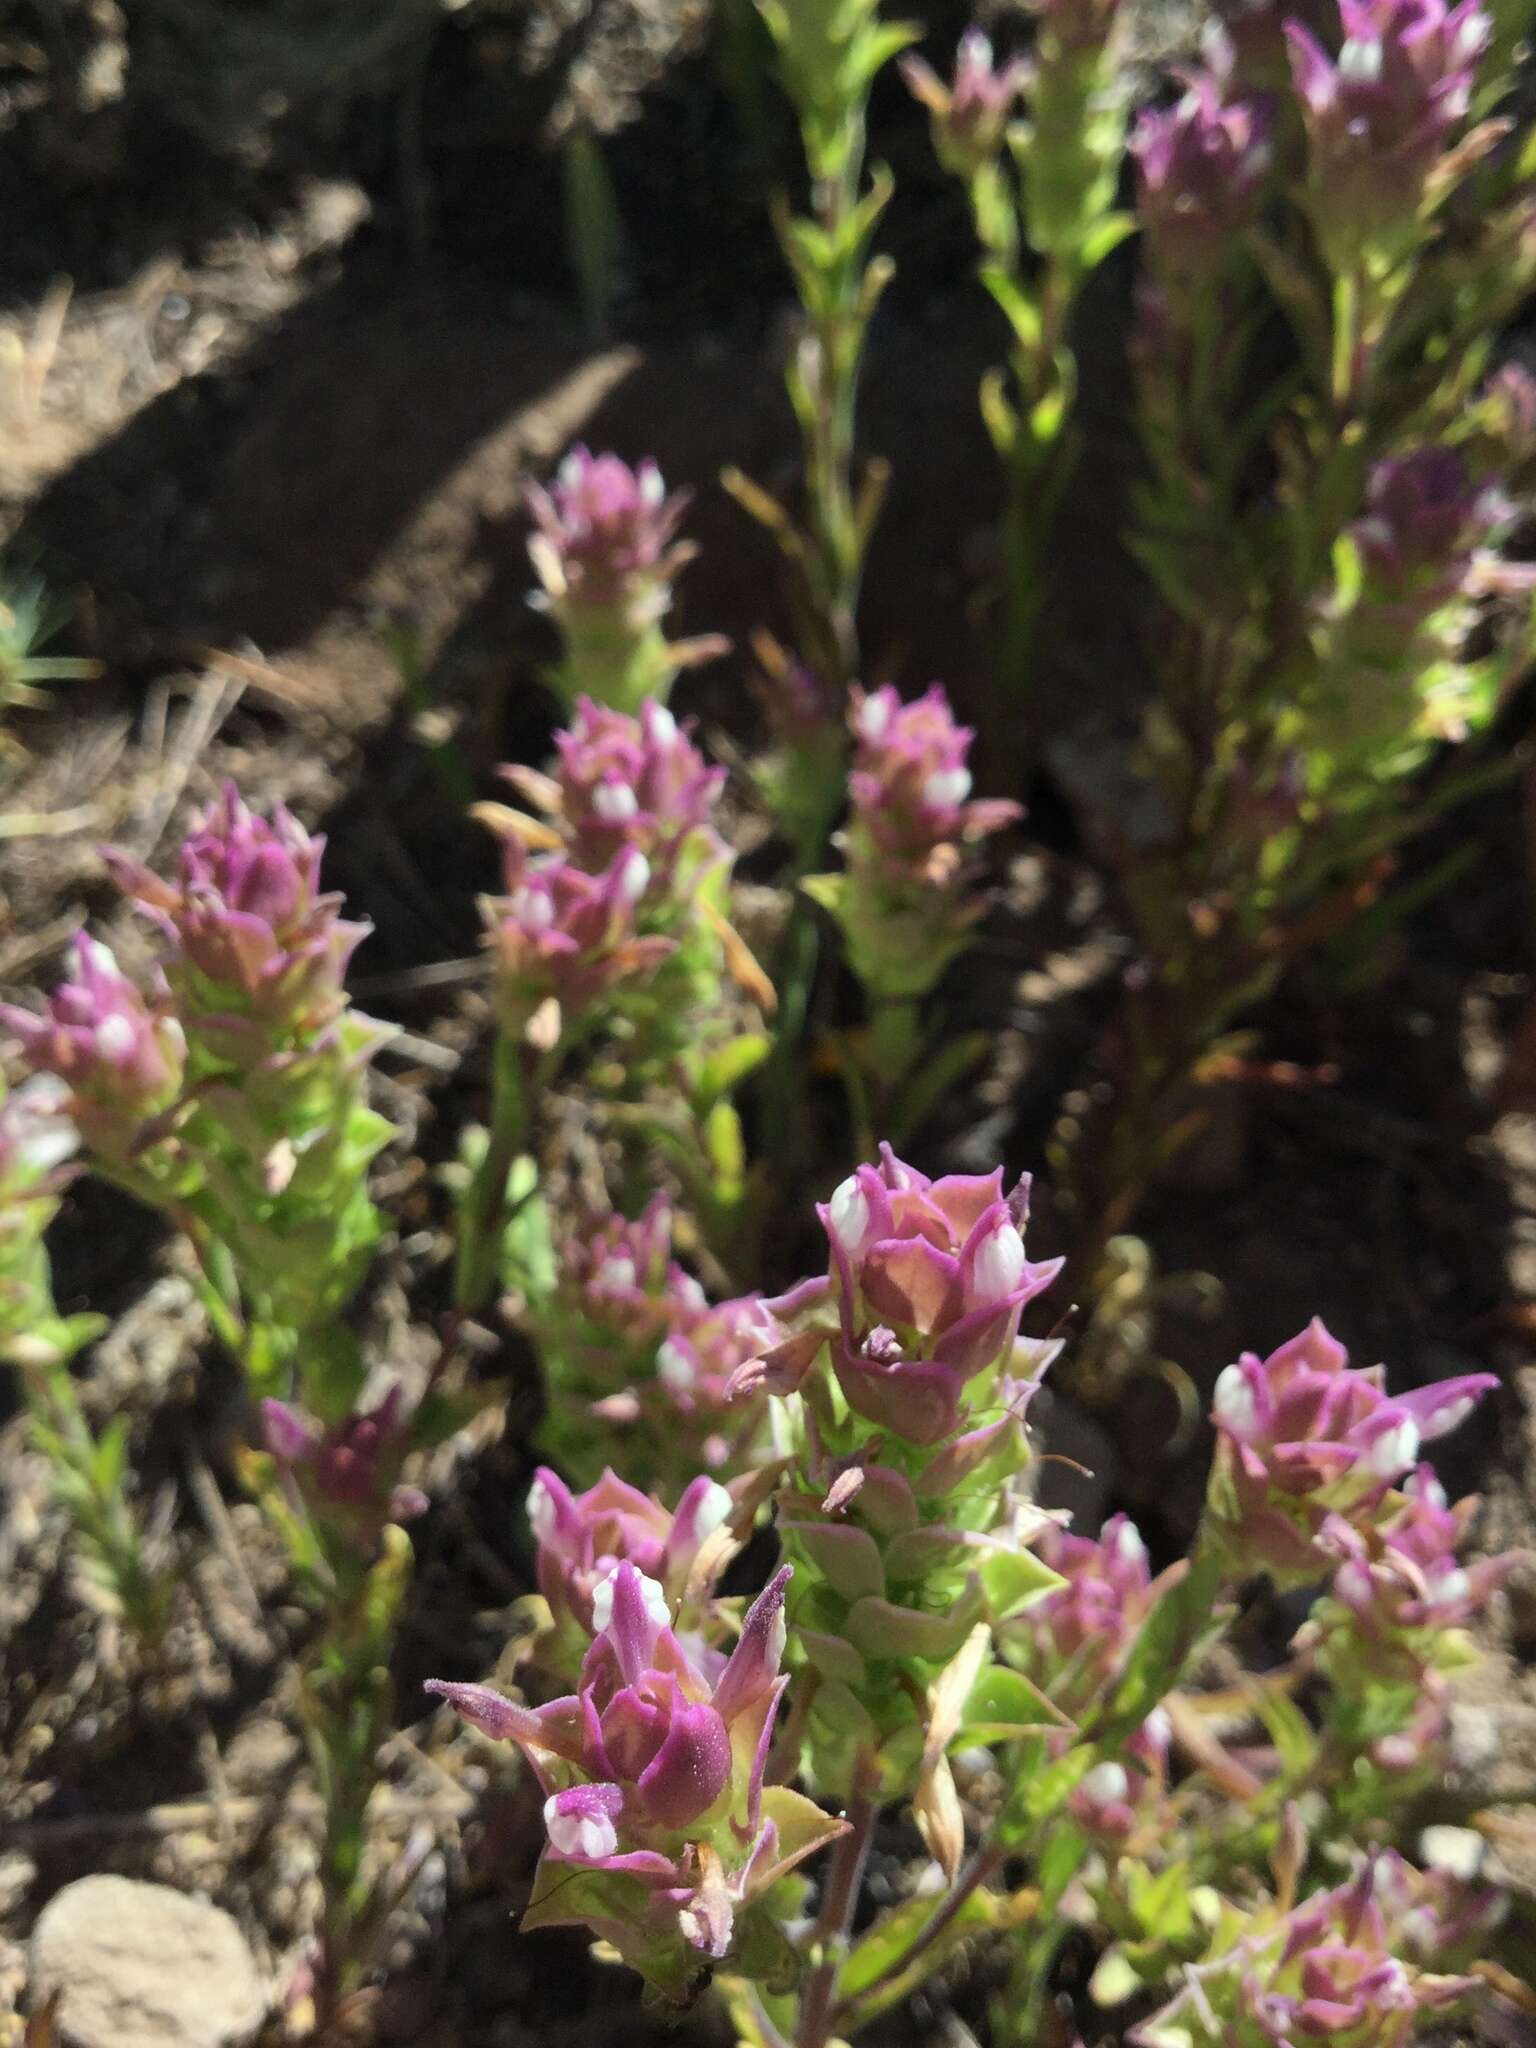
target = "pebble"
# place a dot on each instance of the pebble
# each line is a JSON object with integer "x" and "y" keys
{"x": 142, "y": 1966}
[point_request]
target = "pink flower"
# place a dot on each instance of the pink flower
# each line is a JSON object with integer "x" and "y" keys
{"x": 1380, "y": 114}
{"x": 583, "y": 1538}
{"x": 1424, "y": 517}
{"x": 652, "y": 1770}
{"x": 560, "y": 932}
{"x": 250, "y": 933}
{"x": 1200, "y": 168}
{"x": 349, "y": 1472}
{"x": 910, "y": 786}
{"x": 603, "y": 525}
{"x": 1333, "y": 1970}
{"x": 1404, "y": 1576}
{"x": 122, "y": 1056}
{"x": 617, "y": 1274}
{"x": 970, "y": 117}
{"x": 1106, "y": 1802}
{"x": 1075, "y": 1638}
{"x": 1301, "y": 1437}
{"x": 631, "y": 782}
{"x": 929, "y": 1278}
{"x": 705, "y": 1344}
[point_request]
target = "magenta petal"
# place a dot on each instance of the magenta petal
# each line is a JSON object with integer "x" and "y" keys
{"x": 965, "y": 1198}
{"x": 290, "y": 1436}
{"x": 1441, "y": 1408}
{"x": 495, "y": 1715}
{"x": 919, "y": 1398}
{"x": 689, "y": 1771}
{"x": 754, "y": 1663}
{"x": 908, "y": 1280}
{"x": 631, "y": 1626}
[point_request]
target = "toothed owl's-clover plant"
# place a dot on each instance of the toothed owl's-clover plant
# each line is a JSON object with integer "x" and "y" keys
{"x": 789, "y": 1607}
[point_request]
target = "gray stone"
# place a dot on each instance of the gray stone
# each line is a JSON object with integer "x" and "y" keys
{"x": 142, "y": 1966}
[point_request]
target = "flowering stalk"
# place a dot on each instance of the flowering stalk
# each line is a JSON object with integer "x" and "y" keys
{"x": 663, "y": 1838}
{"x": 905, "y": 901}
{"x": 1343, "y": 1966}
{"x": 564, "y": 943}
{"x": 1043, "y": 185}
{"x": 232, "y": 1095}
{"x": 1315, "y": 630}
{"x": 630, "y": 1341}
{"x": 829, "y": 58}
{"x": 619, "y": 924}
{"x": 605, "y": 550}
{"x": 904, "y": 1391}
{"x": 335, "y": 1495}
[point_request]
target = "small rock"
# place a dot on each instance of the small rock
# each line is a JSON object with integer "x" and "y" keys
{"x": 141, "y": 1966}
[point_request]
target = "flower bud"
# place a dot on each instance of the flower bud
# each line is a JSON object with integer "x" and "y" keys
{"x": 1379, "y": 115}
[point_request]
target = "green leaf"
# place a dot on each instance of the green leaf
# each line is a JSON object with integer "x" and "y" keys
{"x": 111, "y": 1457}
{"x": 1105, "y": 236}
{"x": 1288, "y": 1729}
{"x": 727, "y": 1067}
{"x": 1003, "y": 1706}
{"x": 1020, "y": 311}
{"x": 1012, "y": 1578}
{"x": 802, "y": 1827}
{"x": 1181, "y": 1622}
{"x": 998, "y": 415}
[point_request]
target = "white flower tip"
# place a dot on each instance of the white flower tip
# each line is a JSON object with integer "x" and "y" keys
{"x": 849, "y": 1211}
{"x": 999, "y": 1263}
{"x": 1232, "y": 1403}
{"x": 652, "y": 1596}
{"x": 534, "y": 909}
{"x": 614, "y": 802}
{"x": 1158, "y": 1728}
{"x": 579, "y": 1834}
{"x": 874, "y": 717}
{"x": 541, "y": 1512}
{"x": 634, "y": 877}
{"x": 1450, "y": 1586}
{"x": 947, "y": 786}
{"x": 714, "y": 1510}
{"x": 571, "y": 471}
{"x": 1460, "y": 1852}
{"x": 778, "y": 1638}
{"x": 96, "y": 953}
{"x": 1106, "y": 1784}
{"x": 1453, "y": 1414}
{"x": 674, "y": 1368}
{"x": 617, "y": 1270}
{"x": 663, "y": 725}
{"x": 115, "y": 1038}
{"x": 1129, "y": 1547}
{"x": 1395, "y": 1449}
{"x": 1360, "y": 61}
{"x": 652, "y": 489}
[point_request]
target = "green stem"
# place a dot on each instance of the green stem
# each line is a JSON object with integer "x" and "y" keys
{"x": 485, "y": 1211}
{"x": 1346, "y": 340}
{"x": 834, "y": 1922}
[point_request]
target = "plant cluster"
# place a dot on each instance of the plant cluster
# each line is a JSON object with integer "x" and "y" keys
{"x": 718, "y": 1737}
